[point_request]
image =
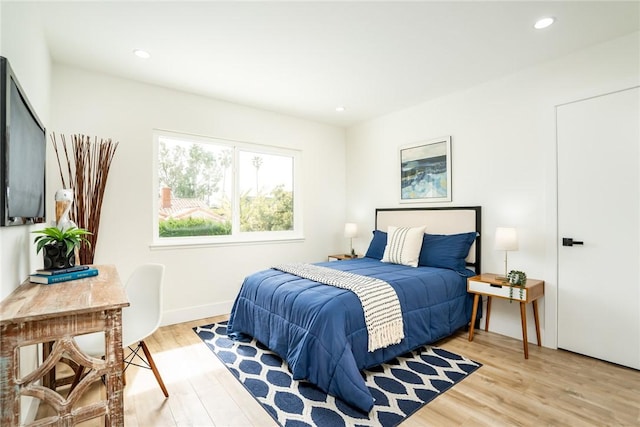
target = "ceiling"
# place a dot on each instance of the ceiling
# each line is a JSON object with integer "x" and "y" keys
{"x": 307, "y": 58}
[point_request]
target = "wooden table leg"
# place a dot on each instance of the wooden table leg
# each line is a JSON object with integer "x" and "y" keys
{"x": 474, "y": 312}
{"x": 523, "y": 316}
{"x": 486, "y": 319}
{"x": 115, "y": 360}
{"x": 10, "y": 396}
{"x": 537, "y": 320}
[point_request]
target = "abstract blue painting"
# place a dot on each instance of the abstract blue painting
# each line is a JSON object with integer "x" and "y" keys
{"x": 425, "y": 171}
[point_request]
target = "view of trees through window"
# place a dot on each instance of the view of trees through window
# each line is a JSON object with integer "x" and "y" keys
{"x": 213, "y": 188}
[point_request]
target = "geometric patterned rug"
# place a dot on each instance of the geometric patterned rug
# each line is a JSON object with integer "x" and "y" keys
{"x": 400, "y": 387}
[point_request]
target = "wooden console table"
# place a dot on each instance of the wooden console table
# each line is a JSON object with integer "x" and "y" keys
{"x": 34, "y": 314}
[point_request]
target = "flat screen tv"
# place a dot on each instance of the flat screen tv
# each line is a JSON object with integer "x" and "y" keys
{"x": 22, "y": 154}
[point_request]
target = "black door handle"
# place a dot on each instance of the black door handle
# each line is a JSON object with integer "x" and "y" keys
{"x": 568, "y": 241}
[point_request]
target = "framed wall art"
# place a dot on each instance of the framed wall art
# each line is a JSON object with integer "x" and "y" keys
{"x": 425, "y": 171}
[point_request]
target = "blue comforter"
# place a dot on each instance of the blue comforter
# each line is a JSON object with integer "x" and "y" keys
{"x": 320, "y": 329}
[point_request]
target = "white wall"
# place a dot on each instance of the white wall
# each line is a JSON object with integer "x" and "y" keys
{"x": 200, "y": 281}
{"x": 503, "y": 143}
{"x": 23, "y": 44}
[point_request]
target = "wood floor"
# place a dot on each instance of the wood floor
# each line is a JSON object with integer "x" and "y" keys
{"x": 551, "y": 388}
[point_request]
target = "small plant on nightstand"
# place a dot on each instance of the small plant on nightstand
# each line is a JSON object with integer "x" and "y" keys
{"x": 519, "y": 279}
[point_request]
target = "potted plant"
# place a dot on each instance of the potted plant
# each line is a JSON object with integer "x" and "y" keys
{"x": 516, "y": 279}
{"x": 59, "y": 246}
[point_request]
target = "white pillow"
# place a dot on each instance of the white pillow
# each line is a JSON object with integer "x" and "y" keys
{"x": 403, "y": 245}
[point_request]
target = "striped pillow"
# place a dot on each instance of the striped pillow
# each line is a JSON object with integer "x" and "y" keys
{"x": 403, "y": 245}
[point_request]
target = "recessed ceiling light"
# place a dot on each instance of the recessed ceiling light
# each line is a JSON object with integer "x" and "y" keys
{"x": 543, "y": 23}
{"x": 141, "y": 53}
{"x": 340, "y": 109}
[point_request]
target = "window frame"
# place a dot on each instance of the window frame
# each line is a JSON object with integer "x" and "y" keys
{"x": 236, "y": 237}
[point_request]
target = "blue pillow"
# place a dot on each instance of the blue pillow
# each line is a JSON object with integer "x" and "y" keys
{"x": 446, "y": 250}
{"x": 377, "y": 245}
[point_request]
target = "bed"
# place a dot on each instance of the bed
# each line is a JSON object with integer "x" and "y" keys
{"x": 321, "y": 331}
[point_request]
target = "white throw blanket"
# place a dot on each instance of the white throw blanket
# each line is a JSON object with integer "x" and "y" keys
{"x": 382, "y": 313}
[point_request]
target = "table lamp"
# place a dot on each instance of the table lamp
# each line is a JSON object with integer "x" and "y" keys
{"x": 506, "y": 240}
{"x": 351, "y": 231}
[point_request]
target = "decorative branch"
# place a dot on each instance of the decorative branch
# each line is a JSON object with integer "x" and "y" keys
{"x": 87, "y": 169}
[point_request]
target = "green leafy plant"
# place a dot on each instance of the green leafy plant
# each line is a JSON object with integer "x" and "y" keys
{"x": 519, "y": 279}
{"x": 70, "y": 238}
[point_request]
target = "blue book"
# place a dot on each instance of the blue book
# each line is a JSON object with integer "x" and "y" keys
{"x": 57, "y": 278}
{"x": 53, "y": 271}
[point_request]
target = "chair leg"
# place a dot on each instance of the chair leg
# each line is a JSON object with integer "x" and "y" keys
{"x": 152, "y": 364}
{"x": 77, "y": 377}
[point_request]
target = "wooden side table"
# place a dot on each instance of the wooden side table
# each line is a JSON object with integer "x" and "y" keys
{"x": 341, "y": 257}
{"x": 489, "y": 285}
{"x": 34, "y": 314}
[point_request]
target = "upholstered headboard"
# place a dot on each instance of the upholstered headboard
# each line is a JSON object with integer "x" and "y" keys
{"x": 444, "y": 220}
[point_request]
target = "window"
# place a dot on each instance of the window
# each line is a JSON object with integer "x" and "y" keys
{"x": 216, "y": 191}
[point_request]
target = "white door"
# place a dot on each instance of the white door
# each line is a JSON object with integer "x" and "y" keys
{"x": 598, "y": 207}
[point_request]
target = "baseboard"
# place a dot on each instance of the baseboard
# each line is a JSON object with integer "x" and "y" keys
{"x": 172, "y": 317}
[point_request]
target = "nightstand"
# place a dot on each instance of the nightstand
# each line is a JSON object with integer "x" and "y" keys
{"x": 341, "y": 257}
{"x": 491, "y": 286}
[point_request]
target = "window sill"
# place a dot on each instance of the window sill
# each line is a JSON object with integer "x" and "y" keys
{"x": 197, "y": 242}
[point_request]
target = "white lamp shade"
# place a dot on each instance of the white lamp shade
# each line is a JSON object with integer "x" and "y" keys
{"x": 506, "y": 239}
{"x": 350, "y": 230}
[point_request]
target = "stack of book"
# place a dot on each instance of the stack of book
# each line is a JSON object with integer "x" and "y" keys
{"x": 48, "y": 277}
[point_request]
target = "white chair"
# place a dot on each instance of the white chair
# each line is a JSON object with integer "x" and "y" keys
{"x": 139, "y": 321}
